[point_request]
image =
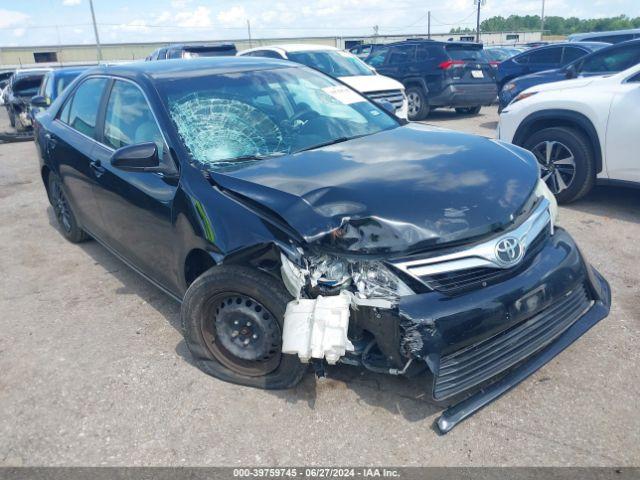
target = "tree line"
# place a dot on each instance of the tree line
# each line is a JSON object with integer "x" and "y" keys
{"x": 553, "y": 25}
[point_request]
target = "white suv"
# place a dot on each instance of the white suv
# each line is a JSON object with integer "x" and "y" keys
{"x": 342, "y": 65}
{"x": 580, "y": 130}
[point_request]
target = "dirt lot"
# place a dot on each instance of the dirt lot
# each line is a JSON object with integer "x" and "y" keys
{"x": 94, "y": 371}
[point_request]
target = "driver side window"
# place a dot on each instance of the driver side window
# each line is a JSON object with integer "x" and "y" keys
{"x": 128, "y": 119}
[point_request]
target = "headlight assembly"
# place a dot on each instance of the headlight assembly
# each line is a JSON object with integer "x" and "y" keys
{"x": 329, "y": 273}
{"x": 543, "y": 191}
{"x": 509, "y": 86}
{"x": 522, "y": 96}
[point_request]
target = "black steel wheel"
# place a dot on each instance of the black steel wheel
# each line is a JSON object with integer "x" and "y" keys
{"x": 242, "y": 334}
{"x": 232, "y": 318}
{"x": 63, "y": 211}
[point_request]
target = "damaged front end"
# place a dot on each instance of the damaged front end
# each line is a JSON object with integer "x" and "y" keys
{"x": 475, "y": 322}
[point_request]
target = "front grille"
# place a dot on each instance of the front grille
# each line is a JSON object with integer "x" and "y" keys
{"x": 461, "y": 281}
{"x": 478, "y": 363}
{"x": 395, "y": 97}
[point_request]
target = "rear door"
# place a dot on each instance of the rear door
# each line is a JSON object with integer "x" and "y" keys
{"x": 399, "y": 61}
{"x": 623, "y": 141}
{"x": 70, "y": 144}
{"x": 136, "y": 206}
{"x": 545, "y": 58}
{"x": 467, "y": 64}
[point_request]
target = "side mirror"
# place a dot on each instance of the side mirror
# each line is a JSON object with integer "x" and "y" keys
{"x": 571, "y": 72}
{"x": 141, "y": 157}
{"x": 39, "y": 101}
{"x": 387, "y": 105}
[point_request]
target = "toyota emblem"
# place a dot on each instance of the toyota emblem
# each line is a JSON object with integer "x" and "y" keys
{"x": 509, "y": 251}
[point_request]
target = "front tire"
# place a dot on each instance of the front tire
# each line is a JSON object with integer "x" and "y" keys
{"x": 62, "y": 209}
{"x": 232, "y": 321}
{"x": 468, "y": 110}
{"x": 566, "y": 161}
{"x": 418, "y": 104}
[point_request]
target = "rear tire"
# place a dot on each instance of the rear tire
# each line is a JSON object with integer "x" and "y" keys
{"x": 12, "y": 118}
{"x": 232, "y": 320}
{"x": 468, "y": 110}
{"x": 64, "y": 214}
{"x": 566, "y": 160}
{"x": 418, "y": 104}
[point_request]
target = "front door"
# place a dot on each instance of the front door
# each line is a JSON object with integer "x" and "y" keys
{"x": 137, "y": 206}
{"x": 623, "y": 141}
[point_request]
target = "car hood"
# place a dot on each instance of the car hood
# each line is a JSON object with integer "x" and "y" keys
{"x": 563, "y": 84}
{"x": 554, "y": 74}
{"x": 372, "y": 83}
{"x": 406, "y": 189}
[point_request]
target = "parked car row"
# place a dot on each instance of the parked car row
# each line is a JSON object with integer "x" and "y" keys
{"x": 30, "y": 91}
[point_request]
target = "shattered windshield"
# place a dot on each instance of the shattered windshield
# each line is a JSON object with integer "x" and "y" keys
{"x": 334, "y": 63}
{"x": 237, "y": 117}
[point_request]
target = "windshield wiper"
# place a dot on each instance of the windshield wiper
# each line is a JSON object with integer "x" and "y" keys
{"x": 243, "y": 158}
{"x": 331, "y": 142}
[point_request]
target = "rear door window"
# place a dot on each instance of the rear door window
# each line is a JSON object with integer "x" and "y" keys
{"x": 402, "y": 54}
{"x": 81, "y": 110}
{"x": 572, "y": 53}
{"x": 546, "y": 56}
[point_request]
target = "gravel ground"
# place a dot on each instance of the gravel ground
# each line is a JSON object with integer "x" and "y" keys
{"x": 94, "y": 371}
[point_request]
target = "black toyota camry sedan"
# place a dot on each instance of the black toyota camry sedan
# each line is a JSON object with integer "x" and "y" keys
{"x": 299, "y": 223}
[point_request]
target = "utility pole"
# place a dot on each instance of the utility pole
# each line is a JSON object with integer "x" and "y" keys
{"x": 542, "y": 21}
{"x": 375, "y": 33}
{"x": 479, "y": 2}
{"x": 429, "y": 24}
{"x": 249, "y": 32}
{"x": 95, "y": 31}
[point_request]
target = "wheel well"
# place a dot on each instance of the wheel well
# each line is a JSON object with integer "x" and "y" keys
{"x": 197, "y": 262}
{"x": 530, "y": 127}
{"x": 414, "y": 83}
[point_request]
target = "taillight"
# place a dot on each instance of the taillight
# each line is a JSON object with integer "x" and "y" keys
{"x": 494, "y": 64}
{"x": 451, "y": 63}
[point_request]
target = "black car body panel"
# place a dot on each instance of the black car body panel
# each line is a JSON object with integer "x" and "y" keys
{"x": 407, "y": 192}
{"x": 452, "y": 74}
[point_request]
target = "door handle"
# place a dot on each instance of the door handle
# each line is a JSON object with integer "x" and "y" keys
{"x": 97, "y": 167}
{"x": 52, "y": 140}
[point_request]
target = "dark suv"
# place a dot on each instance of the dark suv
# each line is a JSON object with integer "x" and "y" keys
{"x": 193, "y": 51}
{"x": 438, "y": 74}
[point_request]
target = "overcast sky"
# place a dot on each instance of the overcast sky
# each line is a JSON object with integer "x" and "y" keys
{"x": 49, "y": 22}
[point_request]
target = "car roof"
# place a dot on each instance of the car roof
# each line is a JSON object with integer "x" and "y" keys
{"x": 195, "y": 67}
{"x": 577, "y": 36}
{"x": 417, "y": 41}
{"x": 293, "y": 47}
{"x": 201, "y": 45}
